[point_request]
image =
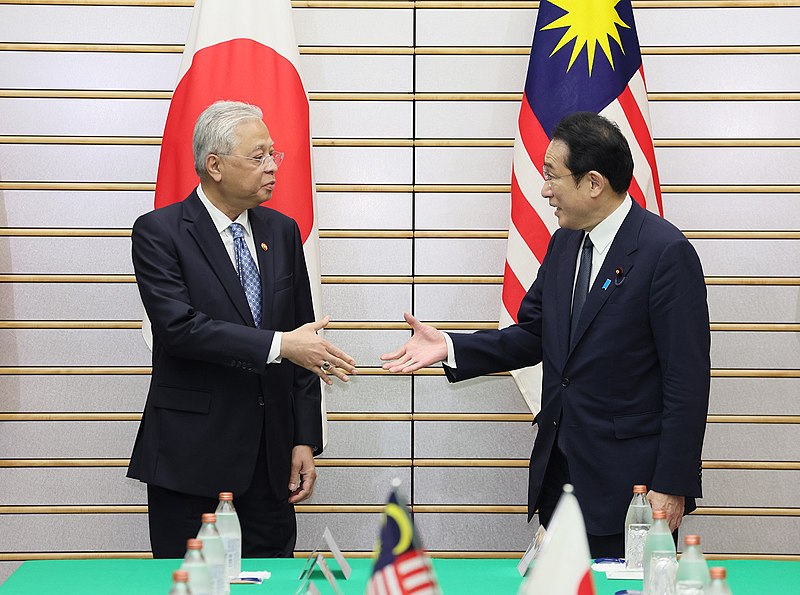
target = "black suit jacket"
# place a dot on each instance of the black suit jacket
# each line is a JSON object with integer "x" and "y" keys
{"x": 631, "y": 395}
{"x": 212, "y": 393}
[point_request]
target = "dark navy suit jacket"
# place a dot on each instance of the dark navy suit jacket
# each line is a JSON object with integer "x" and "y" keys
{"x": 212, "y": 393}
{"x": 631, "y": 394}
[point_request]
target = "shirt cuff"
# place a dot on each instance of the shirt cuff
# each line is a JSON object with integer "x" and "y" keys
{"x": 274, "y": 356}
{"x": 450, "y": 361}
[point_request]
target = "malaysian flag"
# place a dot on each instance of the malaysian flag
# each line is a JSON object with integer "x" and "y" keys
{"x": 401, "y": 565}
{"x": 585, "y": 57}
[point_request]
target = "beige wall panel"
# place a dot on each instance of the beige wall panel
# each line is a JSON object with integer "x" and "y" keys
{"x": 724, "y": 119}
{"x": 470, "y": 74}
{"x": 365, "y": 256}
{"x": 380, "y": 394}
{"x": 780, "y": 258}
{"x": 69, "y": 255}
{"x": 463, "y": 165}
{"x": 755, "y": 350}
{"x": 752, "y": 442}
{"x": 53, "y": 208}
{"x": 354, "y": 26}
{"x": 365, "y": 210}
{"x": 714, "y": 165}
{"x": 78, "y": 163}
{"x": 95, "y": 24}
{"x": 466, "y": 119}
{"x": 713, "y": 73}
{"x": 54, "y": 486}
{"x": 352, "y": 531}
{"x": 362, "y": 119}
{"x": 368, "y": 439}
{"x": 85, "y": 393}
{"x": 750, "y": 487}
{"x": 471, "y": 485}
{"x": 96, "y": 70}
{"x": 82, "y": 117}
{"x": 492, "y": 532}
{"x": 358, "y": 485}
{"x": 713, "y": 27}
{"x": 730, "y": 303}
{"x": 74, "y": 533}
{"x": 747, "y": 535}
{"x": 468, "y": 440}
{"x": 459, "y": 256}
{"x": 755, "y": 396}
{"x": 68, "y": 301}
{"x": 73, "y": 347}
{"x": 362, "y": 73}
{"x": 365, "y": 302}
{"x": 457, "y": 302}
{"x": 462, "y": 211}
{"x": 363, "y": 165}
{"x": 777, "y": 212}
{"x": 486, "y": 394}
{"x": 67, "y": 439}
{"x": 475, "y": 27}
{"x": 366, "y": 346}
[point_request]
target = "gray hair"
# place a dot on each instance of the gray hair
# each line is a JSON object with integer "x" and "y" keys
{"x": 215, "y": 129}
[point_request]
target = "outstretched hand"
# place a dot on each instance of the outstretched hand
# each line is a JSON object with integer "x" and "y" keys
{"x": 307, "y": 349}
{"x": 427, "y": 346}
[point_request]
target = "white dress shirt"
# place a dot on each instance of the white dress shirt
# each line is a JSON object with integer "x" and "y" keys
{"x": 223, "y": 223}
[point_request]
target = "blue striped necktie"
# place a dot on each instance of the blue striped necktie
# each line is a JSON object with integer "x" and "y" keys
{"x": 248, "y": 272}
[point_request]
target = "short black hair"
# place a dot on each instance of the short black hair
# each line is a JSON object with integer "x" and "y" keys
{"x": 596, "y": 143}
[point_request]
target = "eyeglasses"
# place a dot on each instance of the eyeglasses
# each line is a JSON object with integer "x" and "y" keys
{"x": 548, "y": 177}
{"x": 277, "y": 158}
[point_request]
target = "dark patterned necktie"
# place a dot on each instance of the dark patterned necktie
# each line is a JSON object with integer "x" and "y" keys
{"x": 248, "y": 272}
{"x": 581, "y": 285}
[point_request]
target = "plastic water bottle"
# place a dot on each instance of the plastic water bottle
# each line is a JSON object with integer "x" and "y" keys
{"x": 719, "y": 582}
{"x": 693, "y": 577}
{"x": 637, "y": 525}
{"x": 180, "y": 578}
{"x": 660, "y": 563}
{"x": 214, "y": 552}
{"x": 231, "y": 532}
{"x": 195, "y": 564}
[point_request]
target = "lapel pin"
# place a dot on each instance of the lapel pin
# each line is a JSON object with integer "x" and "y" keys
{"x": 606, "y": 284}
{"x": 619, "y": 275}
{"x": 264, "y": 246}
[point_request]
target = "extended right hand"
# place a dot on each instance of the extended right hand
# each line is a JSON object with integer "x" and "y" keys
{"x": 307, "y": 349}
{"x": 426, "y": 347}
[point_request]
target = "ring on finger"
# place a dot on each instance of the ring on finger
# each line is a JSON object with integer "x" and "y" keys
{"x": 326, "y": 366}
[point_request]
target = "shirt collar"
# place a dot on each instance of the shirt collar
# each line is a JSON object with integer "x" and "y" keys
{"x": 605, "y": 231}
{"x": 220, "y": 219}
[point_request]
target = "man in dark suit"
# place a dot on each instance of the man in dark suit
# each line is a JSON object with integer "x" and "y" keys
{"x": 619, "y": 319}
{"x": 234, "y": 400}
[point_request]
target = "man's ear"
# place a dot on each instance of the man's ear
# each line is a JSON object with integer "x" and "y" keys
{"x": 597, "y": 183}
{"x": 213, "y": 164}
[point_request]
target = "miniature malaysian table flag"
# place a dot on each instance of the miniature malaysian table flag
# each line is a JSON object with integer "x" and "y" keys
{"x": 401, "y": 565}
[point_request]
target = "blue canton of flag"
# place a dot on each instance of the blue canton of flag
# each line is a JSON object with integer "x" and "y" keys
{"x": 401, "y": 565}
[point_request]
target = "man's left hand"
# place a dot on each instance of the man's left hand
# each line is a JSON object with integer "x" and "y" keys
{"x": 303, "y": 475}
{"x": 673, "y": 505}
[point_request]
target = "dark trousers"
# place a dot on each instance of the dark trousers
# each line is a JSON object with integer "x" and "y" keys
{"x": 269, "y": 527}
{"x": 557, "y": 474}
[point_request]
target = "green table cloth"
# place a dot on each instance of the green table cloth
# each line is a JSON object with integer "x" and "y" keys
{"x": 462, "y": 577}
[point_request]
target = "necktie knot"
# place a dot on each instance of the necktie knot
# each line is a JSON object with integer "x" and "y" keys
{"x": 587, "y": 242}
{"x": 237, "y": 230}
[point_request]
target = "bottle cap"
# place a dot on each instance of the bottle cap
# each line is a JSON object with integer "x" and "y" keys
{"x": 718, "y": 572}
{"x": 226, "y": 495}
{"x": 208, "y": 517}
{"x": 639, "y": 489}
{"x": 194, "y": 544}
{"x": 692, "y": 540}
{"x": 659, "y": 514}
{"x": 180, "y": 576}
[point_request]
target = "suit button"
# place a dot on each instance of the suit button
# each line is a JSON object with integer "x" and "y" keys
{"x": 555, "y": 424}
{"x": 565, "y": 382}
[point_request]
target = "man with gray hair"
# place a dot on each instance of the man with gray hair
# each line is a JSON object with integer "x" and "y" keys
{"x": 234, "y": 399}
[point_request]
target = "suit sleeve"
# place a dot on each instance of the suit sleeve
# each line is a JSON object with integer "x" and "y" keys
{"x": 182, "y": 330}
{"x": 680, "y": 326}
{"x": 511, "y": 348}
{"x": 307, "y": 385}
